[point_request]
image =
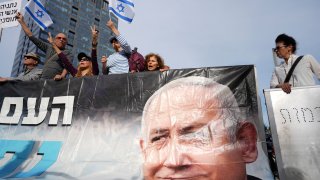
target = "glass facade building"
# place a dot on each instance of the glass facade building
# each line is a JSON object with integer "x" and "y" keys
{"x": 73, "y": 18}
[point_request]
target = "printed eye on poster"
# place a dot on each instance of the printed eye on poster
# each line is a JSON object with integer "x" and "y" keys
{"x": 179, "y": 124}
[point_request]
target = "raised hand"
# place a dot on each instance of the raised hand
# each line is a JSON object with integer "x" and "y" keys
{"x": 113, "y": 28}
{"x": 19, "y": 17}
{"x": 50, "y": 39}
{"x": 110, "y": 24}
{"x": 94, "y": 33}
{"x": 24, "y": 26}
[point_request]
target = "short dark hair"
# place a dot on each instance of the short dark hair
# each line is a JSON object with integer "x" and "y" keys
{"x": 287, "y": 41}
{"x": 113, "y": 39}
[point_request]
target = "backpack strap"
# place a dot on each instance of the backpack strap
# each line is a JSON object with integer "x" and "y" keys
{"x": 292, "y": 69}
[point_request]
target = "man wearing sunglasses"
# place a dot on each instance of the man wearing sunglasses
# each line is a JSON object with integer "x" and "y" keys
{"x": 191, "y": 129}
{"x": 304, "y": 72}
{"x": 53, "y": 68}
{"x": 31, "y": 72}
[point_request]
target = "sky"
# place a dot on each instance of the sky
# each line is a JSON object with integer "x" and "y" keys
{"x": 210, "y": 33}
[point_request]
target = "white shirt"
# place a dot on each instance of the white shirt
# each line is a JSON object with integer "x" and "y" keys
{"x": 303, "y": 74}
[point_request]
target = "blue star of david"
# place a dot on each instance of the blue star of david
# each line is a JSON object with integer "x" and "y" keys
{"x": 120, "y": 8}
{"x": 39, "y": 13}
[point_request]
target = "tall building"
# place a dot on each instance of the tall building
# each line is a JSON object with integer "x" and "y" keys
{"x": 73, "y": 18}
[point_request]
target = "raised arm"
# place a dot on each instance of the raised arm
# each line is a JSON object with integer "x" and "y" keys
{"x": 95, "y": 34}
{"x": 40, "y": 44}
{"x": 23, "y": 24}
{"x": 123, "y": 42}
{"x": 113, "y": 28}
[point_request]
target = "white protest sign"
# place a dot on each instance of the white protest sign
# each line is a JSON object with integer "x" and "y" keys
{"x": 8, "y": 11}
{"x": 295, "y": 125}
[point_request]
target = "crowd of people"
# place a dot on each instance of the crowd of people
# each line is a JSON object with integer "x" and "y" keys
{"x": 58, "y": 60}
{"x": 295, "y": 71}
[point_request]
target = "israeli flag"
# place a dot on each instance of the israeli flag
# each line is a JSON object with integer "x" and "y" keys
{"x": 123, "y": 9}
{"x": 39, "y": 14}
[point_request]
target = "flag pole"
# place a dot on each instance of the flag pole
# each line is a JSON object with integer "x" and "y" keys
{"x": 109, "y": 10}
{"x": 1, "y": 33}
{"x": 109, "y": 15}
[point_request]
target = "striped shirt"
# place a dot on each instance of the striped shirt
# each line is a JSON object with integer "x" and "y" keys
{"x": 118, "y": 61}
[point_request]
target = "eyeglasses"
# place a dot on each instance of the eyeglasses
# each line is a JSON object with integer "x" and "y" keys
{"x": 62, "y": 38}
{"x": 278, "y": 48}
{"x": 29, "y": 57}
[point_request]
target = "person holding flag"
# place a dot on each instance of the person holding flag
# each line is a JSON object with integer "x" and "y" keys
{"x": 117, "y": 62}
{"x": 53, "y": 68}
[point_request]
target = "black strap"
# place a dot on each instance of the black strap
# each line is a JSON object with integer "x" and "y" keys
{"x": 292, "y": 69}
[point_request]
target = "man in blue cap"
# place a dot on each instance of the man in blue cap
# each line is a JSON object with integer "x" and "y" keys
{"x": 116, "y": 63}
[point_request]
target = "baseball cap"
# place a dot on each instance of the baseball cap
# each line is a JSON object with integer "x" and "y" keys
{"x": 83, "y": 56}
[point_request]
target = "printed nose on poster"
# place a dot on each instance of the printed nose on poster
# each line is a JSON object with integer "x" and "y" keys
{"x": 175, "y": 156}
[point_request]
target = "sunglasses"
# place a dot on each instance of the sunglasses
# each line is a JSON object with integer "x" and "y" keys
{"x": 62, "y": 38}
{"x": 29, "y": 57}
{"x": 84, "y": 59}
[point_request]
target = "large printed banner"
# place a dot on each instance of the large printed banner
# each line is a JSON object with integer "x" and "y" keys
{"x": 295, "y": 124}
{"x": 180, "y": 124}
{"x": 8, "y": 11}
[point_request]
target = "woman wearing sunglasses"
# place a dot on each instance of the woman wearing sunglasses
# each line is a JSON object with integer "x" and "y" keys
{"x": 304, "y": 72}
{"x": 88, "y": 66}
